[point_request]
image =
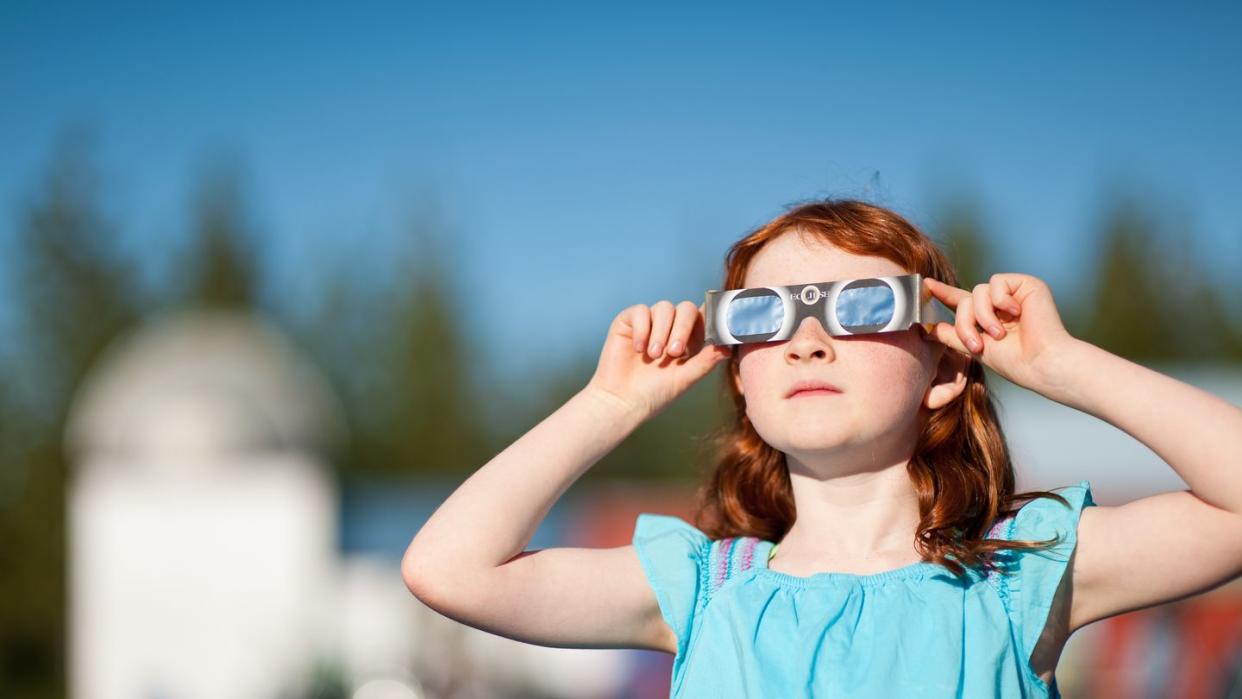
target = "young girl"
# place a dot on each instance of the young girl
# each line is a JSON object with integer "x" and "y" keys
{"x": 862, "y": 540}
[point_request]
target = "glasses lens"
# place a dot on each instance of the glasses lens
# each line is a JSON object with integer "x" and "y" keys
{"x": 865, "y": 306}
{"x": 757, "y": 314}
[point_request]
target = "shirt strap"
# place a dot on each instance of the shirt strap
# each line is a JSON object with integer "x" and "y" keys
{"x": 729, "y": 558}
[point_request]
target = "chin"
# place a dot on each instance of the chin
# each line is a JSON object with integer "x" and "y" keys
{"x": 811, "y": 446}
{"x": 805, "y": 439}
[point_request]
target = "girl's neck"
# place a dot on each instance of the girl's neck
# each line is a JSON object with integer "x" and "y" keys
{"x": 859, "y": 517}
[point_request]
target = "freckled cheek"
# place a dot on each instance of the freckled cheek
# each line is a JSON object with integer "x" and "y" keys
{"x": 763, "y": 398}
{"x": 765, "y": 402}
{"x": 894, "y": 383}
{"x": 753, "y": 385}
{"x": 760, "y": 380}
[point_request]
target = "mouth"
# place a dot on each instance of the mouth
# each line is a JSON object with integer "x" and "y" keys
{"x": 812, "y": 388}
{"x": 813, "y": 392}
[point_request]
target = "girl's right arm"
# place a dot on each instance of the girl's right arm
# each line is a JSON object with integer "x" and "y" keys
{"x": 469, "y": 563}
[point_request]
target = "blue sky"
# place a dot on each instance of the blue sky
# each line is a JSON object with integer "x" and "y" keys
{"x": 603, "y": 156}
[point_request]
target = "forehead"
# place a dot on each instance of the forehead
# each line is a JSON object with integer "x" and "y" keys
{"x": 792, "y": 259}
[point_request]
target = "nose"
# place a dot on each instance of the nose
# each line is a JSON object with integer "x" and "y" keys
{"x": 810, "y": 340}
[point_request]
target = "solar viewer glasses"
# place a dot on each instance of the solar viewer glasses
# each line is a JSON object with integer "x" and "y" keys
{"x": 843, "y": 307}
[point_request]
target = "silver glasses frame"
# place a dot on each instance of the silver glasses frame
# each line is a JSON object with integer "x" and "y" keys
{"x": 819, "y": 300}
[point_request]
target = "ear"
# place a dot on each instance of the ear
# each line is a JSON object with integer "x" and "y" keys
{"x": 950, "y": 378}
{"x": 736, "y": 376}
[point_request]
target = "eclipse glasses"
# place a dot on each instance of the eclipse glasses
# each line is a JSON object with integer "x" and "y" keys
{"x": 843, "y": 307}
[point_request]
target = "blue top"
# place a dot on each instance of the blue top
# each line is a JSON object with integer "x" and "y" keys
{"x": 915, "y": 631}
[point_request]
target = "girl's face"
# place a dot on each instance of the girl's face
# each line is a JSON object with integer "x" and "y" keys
{"x": 884, "y": 377}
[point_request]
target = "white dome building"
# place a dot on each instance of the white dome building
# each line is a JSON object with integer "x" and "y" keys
{"x": 205, "y": 553}
{"x": 202, "y": 517}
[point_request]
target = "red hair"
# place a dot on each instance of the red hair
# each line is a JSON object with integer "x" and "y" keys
{"x": 961, "y": 471}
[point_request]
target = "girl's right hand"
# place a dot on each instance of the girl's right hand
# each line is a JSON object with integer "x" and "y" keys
{"x": 653, "y": 354}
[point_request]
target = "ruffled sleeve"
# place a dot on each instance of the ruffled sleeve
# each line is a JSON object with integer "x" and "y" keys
{"x": 1032, "y": 584}
{"x": 673, "y": 554}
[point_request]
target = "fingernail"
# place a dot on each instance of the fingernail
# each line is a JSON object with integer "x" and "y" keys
{"x": 973, "y": 344}
{"x": 675, "y": 347}
{"x": 655, "y": 348}
{"x": 638, "y": 346}
{"x": 996, "y": 332}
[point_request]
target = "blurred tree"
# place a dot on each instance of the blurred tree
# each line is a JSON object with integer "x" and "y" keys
{"x": 338, "y": 327}
{"x": 75, "y": 293}
{"x": 396, "y": 354}
{"x": 1216, "y": 335}
{"x": 1153, "y": 298}
{"x": 1126, "y": 313}
{"x": 222, "y": 266}
{"x": 672, "y": 446}
{"x": 1232, "y": 291}
{"x": 12, "y": 479}
{"x": 1206, "y": 332}
{"x": 432, "y": 424}
{"x": 962, "y": 236}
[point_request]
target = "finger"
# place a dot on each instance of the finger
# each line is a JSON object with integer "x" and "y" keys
{"x": 946, "y": 334}
{"x": 965, "y": 321}
{"x": 697, "y": 345}
{"x": 948, "y": 295}
{"x": 1002, "y": 289}
{"x": 982, "y": 298}
{"x": 1002, "y": 297}
{"x": 640, "y": 320}
{"x": 683, "y": 323}
{"x": 697, "y": 354}
{"x": 661, "y": 320}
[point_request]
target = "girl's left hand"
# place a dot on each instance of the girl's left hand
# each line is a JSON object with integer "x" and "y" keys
{"x": 1023, "y": 335}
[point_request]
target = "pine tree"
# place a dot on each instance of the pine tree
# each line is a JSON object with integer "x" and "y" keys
{"x": 75, "y": 294}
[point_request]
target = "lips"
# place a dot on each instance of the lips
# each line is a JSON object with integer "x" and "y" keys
{"x": 813, "y": 385}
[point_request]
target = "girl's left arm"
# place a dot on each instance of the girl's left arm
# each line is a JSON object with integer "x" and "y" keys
{"x": 1155, "y": 549}
{"x": 1168, "y": 546}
